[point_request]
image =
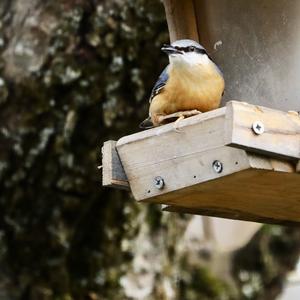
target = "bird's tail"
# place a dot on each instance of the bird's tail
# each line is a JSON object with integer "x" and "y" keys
{"x": 146, "y": 124}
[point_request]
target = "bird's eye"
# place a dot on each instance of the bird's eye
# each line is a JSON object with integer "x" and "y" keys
{"x": 192, "y": 48}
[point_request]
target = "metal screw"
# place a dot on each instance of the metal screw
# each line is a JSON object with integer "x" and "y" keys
{"x": 159, "y": 182}
{"x": 258, "y": 127}
{"x": 217, "y": 166}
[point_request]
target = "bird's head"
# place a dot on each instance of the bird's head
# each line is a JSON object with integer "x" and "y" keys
{"x": 184, "y": 52}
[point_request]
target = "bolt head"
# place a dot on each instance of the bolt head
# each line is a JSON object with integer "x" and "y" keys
{"x": 217, "y": 166}
{"x": 159, "y": 182}
{"x": 258, "y": 127}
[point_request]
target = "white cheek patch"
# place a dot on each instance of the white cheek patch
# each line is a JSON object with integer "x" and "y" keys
{"x": 189, "y": 59}
{"x": 193, "y": 58}
{"x": 176, "y": 58}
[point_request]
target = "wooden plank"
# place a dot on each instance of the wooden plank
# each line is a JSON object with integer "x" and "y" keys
{"x": 257, "y": 162}
{"x": 281, "y": 135}
{"x": 258, "y": 195}
{"x": 113, "y": 174}
{"x": 211, "y": 117}
{"x": 228, "y": 214}
{"x": 249, "y": 186}
{"x": 162, "y": 151}
{"x": 181, "y": 19}
{"x": 181, "y": 171}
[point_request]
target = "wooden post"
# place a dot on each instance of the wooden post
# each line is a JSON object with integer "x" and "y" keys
{"x": 181, "y": 18}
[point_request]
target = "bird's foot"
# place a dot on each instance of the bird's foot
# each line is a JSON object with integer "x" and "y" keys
{"x": 190, "y": 113}
{"x": 180, "y": 115}
{"x": 184, "y": 113}
{"x": 176, "y": 123}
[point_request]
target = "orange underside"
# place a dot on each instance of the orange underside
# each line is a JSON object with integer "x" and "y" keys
{"x": 188, "y": 92}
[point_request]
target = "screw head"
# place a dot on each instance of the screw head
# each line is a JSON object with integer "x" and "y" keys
{"x": 159, "y": 182}
{"x": 217, "y": 166}
{"x": 258, "y": 127}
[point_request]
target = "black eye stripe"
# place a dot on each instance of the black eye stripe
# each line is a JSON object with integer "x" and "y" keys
{"x": 189, "y": 49}
{"x": 201, "y": 51}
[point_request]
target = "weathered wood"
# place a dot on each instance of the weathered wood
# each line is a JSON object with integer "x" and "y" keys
{"x": 281, "y": 136}
{"x": 250, "y": 186}
{"x": 181, "y": 171}
{"x": 227, "y": 214}
{"x": 162, "y": 150}
{"x": 113, "y": 174}
{"x": 181, "y": 18}
{"x": 267, "y": 192}
{"x": 201, "y": 11}
{"x": 258, "y": 179}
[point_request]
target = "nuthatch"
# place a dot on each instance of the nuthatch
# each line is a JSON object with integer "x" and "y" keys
{"x": 192, "y": 83}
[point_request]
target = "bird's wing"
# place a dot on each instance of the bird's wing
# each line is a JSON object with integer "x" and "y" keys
{"x": 160, "y": 83}
{"x": 158, "y": 87}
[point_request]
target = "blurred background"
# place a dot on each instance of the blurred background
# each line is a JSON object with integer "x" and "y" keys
{"x": 74, "y": 73}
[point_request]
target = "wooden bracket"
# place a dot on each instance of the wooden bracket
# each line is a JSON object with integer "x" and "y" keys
{"x": 181, "y": 19}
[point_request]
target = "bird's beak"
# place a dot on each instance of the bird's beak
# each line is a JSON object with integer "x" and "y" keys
{"x": 170, "y": 50}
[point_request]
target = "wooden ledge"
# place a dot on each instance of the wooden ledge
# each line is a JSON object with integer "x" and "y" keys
{"x": 238, "y": 161}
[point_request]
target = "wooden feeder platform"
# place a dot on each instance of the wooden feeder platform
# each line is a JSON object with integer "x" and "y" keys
{"x": 238, "y": 162}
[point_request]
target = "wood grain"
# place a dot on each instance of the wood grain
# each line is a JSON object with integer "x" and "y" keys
{"x": 113, "y": 174}
{"x": 164, "y": 152}
{"x": 228, "y": 214}
{"x": 184, "y": 171}
{"x": 181, "y": 19}
{"x": 258, "y": 181}
{"x": 258, "y": 195}
{"x": 281, "y": 137}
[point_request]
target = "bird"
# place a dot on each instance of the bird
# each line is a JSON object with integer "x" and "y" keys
{"x": 190, "y": 84}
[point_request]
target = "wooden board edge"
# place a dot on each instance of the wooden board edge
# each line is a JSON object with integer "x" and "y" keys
{"x": 233, "y": 128}
{"x": 164, "y": 129}
{"x": 228, "y": 126}
{"x": 144, "y": 190}
{"x": 113, "y": 174}
{"x": 227, "y": 214}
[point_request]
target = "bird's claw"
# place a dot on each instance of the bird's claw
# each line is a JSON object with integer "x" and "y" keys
{"x": 180, "y": 115}
{"x": 176, "y": 123}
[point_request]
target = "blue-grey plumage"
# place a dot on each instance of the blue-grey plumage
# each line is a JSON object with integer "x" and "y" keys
{"x": 160, "y": 83}
{"x": 191, "y": 82}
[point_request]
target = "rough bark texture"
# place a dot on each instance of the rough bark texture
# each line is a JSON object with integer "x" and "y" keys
{"x": 72, "y": 75}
